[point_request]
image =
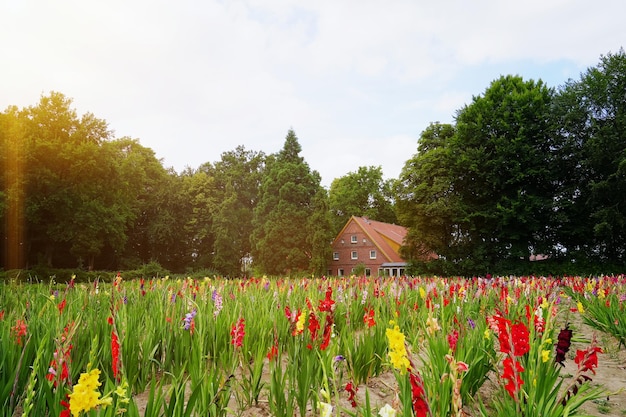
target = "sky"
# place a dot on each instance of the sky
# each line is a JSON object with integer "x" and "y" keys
{"x": 357, "y": 80}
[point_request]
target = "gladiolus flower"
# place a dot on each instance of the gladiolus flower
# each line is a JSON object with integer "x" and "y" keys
{"x": 563, "y": 344}
{"x": 520, "y": 338}
{"x": 85, "y": 395}
{"x": 19, "y": 330}
{"x": 66, "y": 407}
{"x": 431, "y": 325}
{"x": 328, "y": 332}
{"x": 462, "y": 366}
{"x": 420, "y": 406}
{"x": 545, "y": 355}
{"x": 238, "y": 332}
{"x": 327, "y": 304}
{"x": 61, "y": 306}
{"x": 453, "y": 339}
{"x": 115, "y": 355}
{"x": 314, "y": 325}
{"x": 273, "y": 353}
{"x": 326, "y": 409}
{"x": 188, "y": 321}
{"x": 368, "y": 317}
{"x": 587, "y": 360}
{"x": 217, "y": 299}
{"x": 511, "y": 373}
{"x": 300, "y": 323}
{"x": 351, "y": 390}
{"x": 387, "y": 411}
{"x": 397, "y": 349}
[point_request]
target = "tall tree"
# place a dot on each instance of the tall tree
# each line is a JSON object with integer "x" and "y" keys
{"x": 159, "y": 207}
{"x": 71, "y": 184}
{"x": 426, "y": 202}
{"x": 237, "y": 181}
{"x": 591, "y": 204}
{"x": 12, "y": 191}
{"x": 361, "y": 193}
{"x": 503, "y": 150}
{"x": 320, "y": 234}
{"x": 280, "y": 240}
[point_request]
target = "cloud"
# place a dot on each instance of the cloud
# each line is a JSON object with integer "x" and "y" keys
{"x": 357, "y": 80}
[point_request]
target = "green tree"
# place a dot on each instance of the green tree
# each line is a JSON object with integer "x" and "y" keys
{"x": 504, "y": 177}
{"x": 237, "y": 181}
{"x": 159, "y": 206}
{"x": 320, "y": 234}
{"x": 280, "y": 240}
{"x": 426, "y": 202}
{"x": 71, "y": 184}
{"x": 591, "y": 202}
{"x": 12, "y": 191}
{"x": 361, "y": 193}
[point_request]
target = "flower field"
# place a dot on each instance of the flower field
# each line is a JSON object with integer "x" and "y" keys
{"x": 507, "y": 346}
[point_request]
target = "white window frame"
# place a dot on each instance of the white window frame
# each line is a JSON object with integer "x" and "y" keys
{"x": 335, "y": 256}
{"x": 373, "y": 254}
{"x": 354, "y": 255}
{"x": 353, "y": 239}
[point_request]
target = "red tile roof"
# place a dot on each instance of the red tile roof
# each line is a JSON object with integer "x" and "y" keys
{"x": 387, "y": 237}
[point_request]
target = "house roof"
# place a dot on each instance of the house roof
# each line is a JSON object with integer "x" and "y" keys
{"x": 385, "y": 236}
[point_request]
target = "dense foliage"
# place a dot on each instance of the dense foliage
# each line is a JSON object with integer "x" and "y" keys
{"x": 526, "y": 171}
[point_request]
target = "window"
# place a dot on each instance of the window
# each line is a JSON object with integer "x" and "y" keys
{"x": 372, "y": 254}
{"x": 353, "y": 239}
{"x": 368, "y": 272}
{"x": 354, "y": 255}
{"x": 336, "y": 256}
{"x": 340, "y": 272}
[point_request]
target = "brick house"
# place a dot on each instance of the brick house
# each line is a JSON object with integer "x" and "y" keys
{"x": 369, "y": 243}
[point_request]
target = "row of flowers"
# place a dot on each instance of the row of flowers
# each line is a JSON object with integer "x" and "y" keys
{"x": 319, "y": 342}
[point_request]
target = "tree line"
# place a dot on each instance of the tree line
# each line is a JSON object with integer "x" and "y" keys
{"x": 525, "y": 172}
{"x": 74, "y": 196}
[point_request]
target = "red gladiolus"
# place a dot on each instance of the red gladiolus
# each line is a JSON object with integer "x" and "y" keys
{"x": 587, "y": 360}
{"x": 60, "y": 358}
{"x": 368, "y": 318}
{"x": 66, "y": 407}
{"x": 327, "y": 304}
{"x": 453, "y": 339}
{"x": 61, "y": 306}
{"x": 238, "y": 332}
{"x": 520, "y": 338}
{"x": 19, "y": 330}
{"x": 115, "y": 354}
{"x": 351, "y": 390}
{"x": 52, "y": 371}
{"x": 328, "y": 331}
{"x": 314, "y": 325}
{"x": 420, "y": 406}
{"x": 512, "y": 370}
{"x": 273, "y": 353}
{"x": 503, "y": 334}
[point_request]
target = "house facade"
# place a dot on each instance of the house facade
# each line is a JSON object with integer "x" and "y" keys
{"x": 370, "y": 244}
